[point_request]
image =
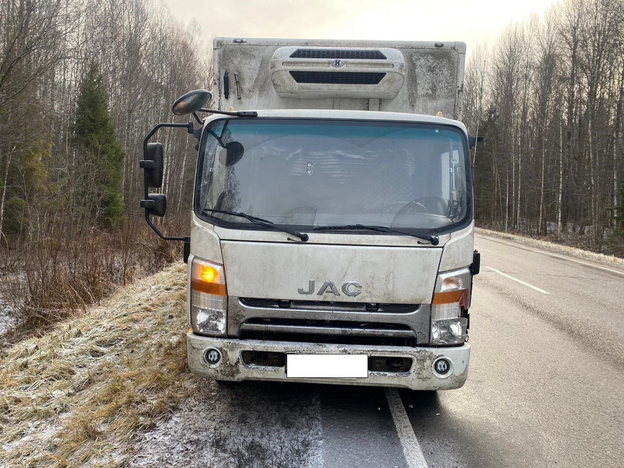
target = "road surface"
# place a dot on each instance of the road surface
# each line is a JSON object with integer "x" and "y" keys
{"x": 545, "y": 388}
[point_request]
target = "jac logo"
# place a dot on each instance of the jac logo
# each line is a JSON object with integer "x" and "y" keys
{"x": 350, "y": 288}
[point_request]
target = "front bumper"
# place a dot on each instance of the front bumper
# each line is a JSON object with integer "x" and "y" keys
{"x": 421, "y": 376}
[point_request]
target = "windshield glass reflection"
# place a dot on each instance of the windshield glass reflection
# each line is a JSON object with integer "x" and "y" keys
{"x": 312, "y": 173}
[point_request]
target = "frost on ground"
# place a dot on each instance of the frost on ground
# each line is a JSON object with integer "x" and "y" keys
{"x": 7, "y": 317}
{"x": 248, "y": 424}
{"x": 87, "y": 392}
{"x": 78, "y": 395}
{"x": 12, "y": 295}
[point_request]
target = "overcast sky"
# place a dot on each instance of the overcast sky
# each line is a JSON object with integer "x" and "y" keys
{"x": 470, "y": 21}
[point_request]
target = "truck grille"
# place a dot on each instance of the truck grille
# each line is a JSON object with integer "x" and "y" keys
{"x": 338, "y": 54}
{"x": 330, "y": 306}
{"x": 329, "y": 322}
{"x": 328, "y": 331}
{"x": 353, "y": 78}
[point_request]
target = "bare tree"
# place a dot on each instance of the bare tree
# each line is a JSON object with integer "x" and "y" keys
{"x": 553, "y": 124}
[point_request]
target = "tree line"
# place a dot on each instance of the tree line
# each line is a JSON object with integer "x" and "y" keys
{"x": 548, "y": 98}
{"x": 81, "y": 83}
{"x": 47, "y": 49}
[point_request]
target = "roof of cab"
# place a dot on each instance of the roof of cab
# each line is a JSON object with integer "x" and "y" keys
{"x": 353, "y": 115}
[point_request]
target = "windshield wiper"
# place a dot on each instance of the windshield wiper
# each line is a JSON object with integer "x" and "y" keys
{"x": 434, "y": 240}
{"x": 260, "y": 222}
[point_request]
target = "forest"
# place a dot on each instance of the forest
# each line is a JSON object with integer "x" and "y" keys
{"x": 83, "y": 81}
{"x": 547, "y": 97}
{"x": 81, "y": 84}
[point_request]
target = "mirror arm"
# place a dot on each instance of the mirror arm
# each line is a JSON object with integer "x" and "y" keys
{"x": 146, "y": 163}
{"x": 473, "y": 140}
{"x": 232, "y": 113}
{"x": 160, "y": 234}
{"x": 199, "y": 121}
{"x": 161, "y": 125}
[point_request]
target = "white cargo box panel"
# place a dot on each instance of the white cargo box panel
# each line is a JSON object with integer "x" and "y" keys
{"x": 412, "y": 77}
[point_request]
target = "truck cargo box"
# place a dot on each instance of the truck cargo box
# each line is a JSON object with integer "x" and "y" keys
{"x": 412, "y": 77}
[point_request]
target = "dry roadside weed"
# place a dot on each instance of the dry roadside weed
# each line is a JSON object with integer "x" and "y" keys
{"x": 80, "y": 394}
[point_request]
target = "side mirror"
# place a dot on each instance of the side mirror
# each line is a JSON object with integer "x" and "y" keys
{"x": 156, "y": 204}
{"x": 153, "y": 164}
{"x": 191, "y": 102}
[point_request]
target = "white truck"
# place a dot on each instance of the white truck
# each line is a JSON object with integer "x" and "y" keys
{"x": 332, "y": 227}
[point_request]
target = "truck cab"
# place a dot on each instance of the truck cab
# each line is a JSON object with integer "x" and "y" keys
{"x": 332, "y": 226}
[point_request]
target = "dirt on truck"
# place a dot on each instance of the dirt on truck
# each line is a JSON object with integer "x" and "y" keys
{"x": 332, "y": 234}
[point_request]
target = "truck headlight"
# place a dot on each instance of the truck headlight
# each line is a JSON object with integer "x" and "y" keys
{"x": 451, "y": 300}
{"x": 208, "y": 298}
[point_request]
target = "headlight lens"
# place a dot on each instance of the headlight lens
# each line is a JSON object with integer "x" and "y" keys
{"x": 208, "y": 298}
{"x": 449, "y": 323}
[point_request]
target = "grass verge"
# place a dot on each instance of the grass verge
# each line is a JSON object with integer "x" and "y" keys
{"x": 556, "y": 248}
{"x": 81, "y": 393}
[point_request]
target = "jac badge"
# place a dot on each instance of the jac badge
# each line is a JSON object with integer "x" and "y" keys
{"x": 350, "y": 288}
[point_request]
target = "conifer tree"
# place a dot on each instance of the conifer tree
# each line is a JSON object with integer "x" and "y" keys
{"x": 98, "y": 150}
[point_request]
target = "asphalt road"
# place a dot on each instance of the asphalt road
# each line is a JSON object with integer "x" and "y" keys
{"x": 546, "y": 380}
{"x": 545, "y": 388}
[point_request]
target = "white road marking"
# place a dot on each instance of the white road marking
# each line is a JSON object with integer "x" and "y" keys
{"x": 519, "y": 281}
{"x": 551, "y": 254}
{"x": 411, "y": 448}
{"x": 584, "y": 263}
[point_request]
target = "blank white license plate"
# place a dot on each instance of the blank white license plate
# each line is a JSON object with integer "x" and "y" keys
{"x": 326, "y": 365}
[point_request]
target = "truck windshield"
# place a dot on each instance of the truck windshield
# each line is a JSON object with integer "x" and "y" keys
{"x": 311, "y": 173}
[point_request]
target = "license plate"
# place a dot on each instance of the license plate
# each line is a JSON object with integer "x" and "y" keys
{"x": 326, "y": 365}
